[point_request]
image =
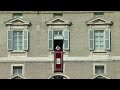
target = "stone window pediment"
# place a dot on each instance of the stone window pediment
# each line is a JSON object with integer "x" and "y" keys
{"x": 58, "y": 21}
{"x": 17, "y": 77}
{"x": 17, "y": 21}
{"x": 99, "y": 21}
{"x": 100, "y": 76}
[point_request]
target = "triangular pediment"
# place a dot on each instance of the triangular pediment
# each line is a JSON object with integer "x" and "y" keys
{"x": 17, "y": 77}
{"x": 59, "y": 21}
{"x": 98, "y": 20}
{"x": 17, "y": 21}
{"x": 100, "y": 76}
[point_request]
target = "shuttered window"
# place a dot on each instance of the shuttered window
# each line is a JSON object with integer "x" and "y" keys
{"x": 18, "y": 40}
{"x": 99, "y": 39}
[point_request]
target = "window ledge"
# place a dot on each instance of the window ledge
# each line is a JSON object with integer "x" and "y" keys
{"x": 99, "y": 51}
{"x": 18, "y": 51}
{"x": 53, "y": 51}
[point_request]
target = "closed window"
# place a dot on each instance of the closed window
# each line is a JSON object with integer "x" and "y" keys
{"x": 17, "y": 70}
{"x": 17, "y": 15}
{"x": 98, "y": 14}
{"x": 18, "y": 40}
{"x": 99, "y": 69}
{"x": 57, "y": 14}
{"x": 99, "y": 40}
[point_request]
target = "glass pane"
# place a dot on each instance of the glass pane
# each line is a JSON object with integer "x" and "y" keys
{"x": 101, "y": 47}
{"x": 96, "y": 33}
{"x": 14, "y": 47}
{"x": 55, "y": 32}
{"x": 20, "y": 48}
{"x": 96, "y": 47}
{"x": 101, "y": 33}
{"x": 96, "y": 38}
{"x": 99, "y": 69}
{"x": 60, "y": 32}
{"x": 20, "y": 32}
{"x": 14, "y": 33}
{"x": 17, "y": 70}
{"x": 14, "y": 71}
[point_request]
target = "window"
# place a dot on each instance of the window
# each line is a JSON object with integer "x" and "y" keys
{"x": 17, "y": 40}
{"x": 17, "y": 15}
{"x": 64, "y": 34}
{"x": 99, "y": 69}
{"x": 98, "y": 13}
{"x": 17, "y": 70}
{"x": 57, "y": 14}
{"x": 99, "y": 40}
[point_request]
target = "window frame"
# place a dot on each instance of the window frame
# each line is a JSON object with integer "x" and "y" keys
{"x": 16, "y": 15}
{"x": 97, "y": 14}
{"x": 50, "y": 30}
{"x": 99, "y": 50}
{"x": 18, "y": 41}
{"x": 57, "y": 14}
{"x": 17, "y": 65}
{"x": 23, "y": 30}
{"x": 99, "y": 64}
{"x": 95, "y": 28}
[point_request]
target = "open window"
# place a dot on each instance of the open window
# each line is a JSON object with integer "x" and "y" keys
{"x": 58, "y": 33}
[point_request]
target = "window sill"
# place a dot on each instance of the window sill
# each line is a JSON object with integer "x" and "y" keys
{"x": 99, "y": 51}
{"x": 18, "y": 51}
{"x": 53, "y": 51}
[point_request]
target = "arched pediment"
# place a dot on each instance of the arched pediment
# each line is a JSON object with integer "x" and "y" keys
{"x": 59, "y": 76}
{"x": 58, "y": 21}
{"x": 99, "y": 21}
{"x": 17, "y": 21}
{"x": 100, "y": 76}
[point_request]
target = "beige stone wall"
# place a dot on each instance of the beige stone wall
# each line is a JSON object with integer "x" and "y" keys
{"x": 38, "y": 45}
{"x": 73, "y": 70}
{"x": 38, "y": 33}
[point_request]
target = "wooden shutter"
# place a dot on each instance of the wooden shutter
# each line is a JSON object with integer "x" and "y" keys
{"x": 25, "y": 39}
{"x": 91, "y": 39}
{"x": 66, "y": 40}
{"x": 50, "y": 39}
{"x": 107, "y": 39}
{"x": 9, "y": 39}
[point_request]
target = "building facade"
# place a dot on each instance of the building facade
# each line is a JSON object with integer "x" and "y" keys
{"x": 89, "y": 42}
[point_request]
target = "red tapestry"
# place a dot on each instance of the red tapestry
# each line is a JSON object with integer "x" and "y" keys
{"x": 58, "y": 61}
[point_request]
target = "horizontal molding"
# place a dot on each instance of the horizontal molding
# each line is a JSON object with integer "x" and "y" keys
{"x": 49, "y": 12}
{"x": 65, "y": 58}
